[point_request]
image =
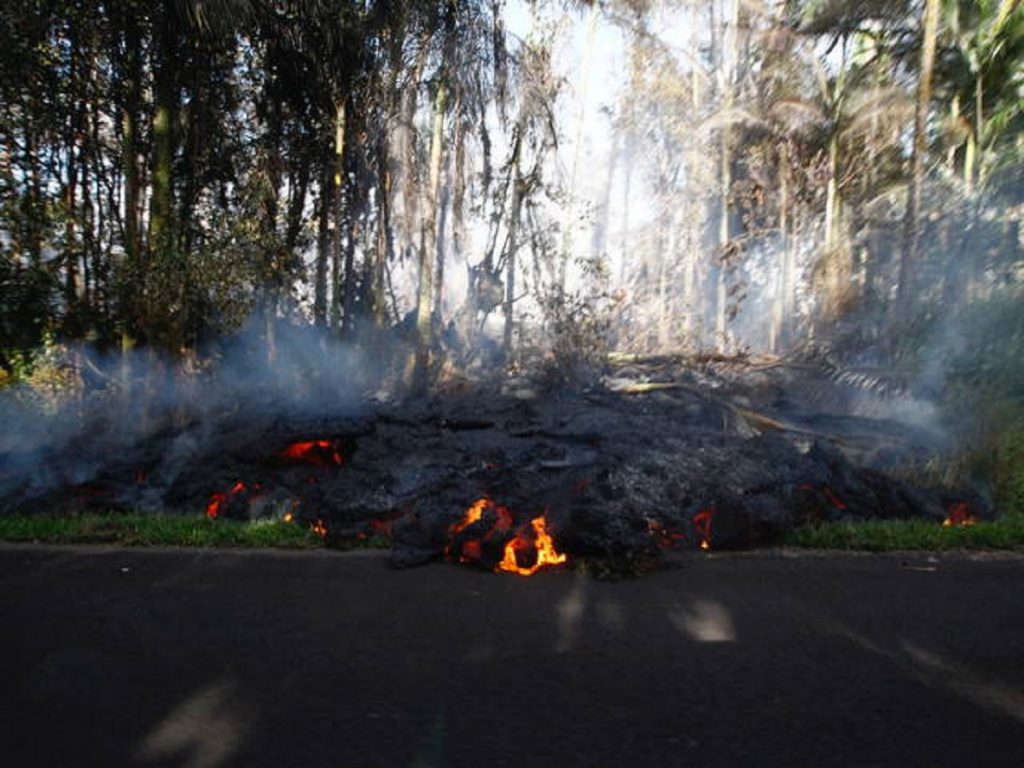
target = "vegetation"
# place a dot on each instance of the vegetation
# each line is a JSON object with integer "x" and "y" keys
{"x": 1007, "y": 533}
{"x": 155, "y": 530}
{"x": 890, "y": 535}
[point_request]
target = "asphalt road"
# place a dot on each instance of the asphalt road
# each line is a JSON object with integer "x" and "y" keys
{"x": 118, "y": 657}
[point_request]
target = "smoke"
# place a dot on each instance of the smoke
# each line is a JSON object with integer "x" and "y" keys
{"x": 104, "y": 413}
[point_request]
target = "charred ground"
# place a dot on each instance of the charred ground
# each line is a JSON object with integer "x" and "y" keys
{"x": 655, "y": 455}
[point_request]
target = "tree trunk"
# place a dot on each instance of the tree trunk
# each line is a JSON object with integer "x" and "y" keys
{"x": 443, "y": 203}
{"x": 781, "y": 306}
{"x": 428, "y": 246}
{"x": 353, "y": 206}
{"x": 441, "y": 255}
{"x": 166, "y": 317}
{"x": 161, "y": 204}
{"x": 912, "y": 218}
{"x": 725, "y": 185}
{"x": 974, "y": 137}
{"x": 74, "y": 131}
{"x": 337, "y": 213}
{"x": 513, "y": 236}
{"x": 71, "y": 285}
{"x": 407, "y": 171}
{"x": 299, "y": 187}
{"x": 664, "y": 295}
{"x": 729, "y": 56}
{"x": 836, "y": 269}
{"x": 383, "y": 245}
{"x": 599, "y": 234}
{"x": 131, "y": 280}
{"x": 323, "y": 246}
{"x": 33, "y": 200}
{"x": 694, "y": 220}
{"x": 569, "y": 223}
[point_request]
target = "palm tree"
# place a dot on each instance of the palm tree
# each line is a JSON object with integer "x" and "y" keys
{"x": 912, "y": 217}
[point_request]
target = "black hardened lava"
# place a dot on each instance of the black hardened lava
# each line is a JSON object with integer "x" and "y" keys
{"x": 629, "y": 468}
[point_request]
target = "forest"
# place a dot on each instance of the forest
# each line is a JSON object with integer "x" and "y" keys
{"x": 456, "y": 188}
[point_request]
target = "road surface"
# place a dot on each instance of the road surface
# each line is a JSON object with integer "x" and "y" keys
{"x": 208, "y": 659}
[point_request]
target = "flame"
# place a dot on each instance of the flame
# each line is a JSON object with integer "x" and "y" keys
{"x": 473, "y": 515}
{"x": 471, "y": 550}
{"x": 532, "y": 539}
{"x": 542, "y": 544}
{"x": 959, "y": 514}
{"x": 219, "y": 500}
{"x": 319, "y": 527}
{"x": 322, "y": 453}
{"x": 702, "y": 526}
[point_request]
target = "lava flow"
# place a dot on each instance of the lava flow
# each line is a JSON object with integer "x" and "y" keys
{"x": 540, "y": 544}
{"x": 470, "y": 550}
{"x": 959, "y": 514}
{"x": 219, "y": 500}
{"x": 530, "y": 548}
{"x": 664, "y": 536}
{"x": 702, "y": 526}
{"x": 320, "y": 453}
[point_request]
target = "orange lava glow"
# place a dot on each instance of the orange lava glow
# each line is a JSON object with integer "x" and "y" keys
{"x": 322, "y": 453}
{"x": 472, "y": 549}
{"x": 834, "y": 500}
{"x": 664, "y": 537}
{"x": 216, "y": 502}
{"x": 959, "y": 514}
{"x": 219, "y": 500}
{"x": 531, "y": 549}
{"x": 473, "y": 515}
{"x": 542, "y": 544}
{"x": 702, "y": 526}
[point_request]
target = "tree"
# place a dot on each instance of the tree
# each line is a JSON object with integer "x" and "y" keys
{"x": 911, "y": 222}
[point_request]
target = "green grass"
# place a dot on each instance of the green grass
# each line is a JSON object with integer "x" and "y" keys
{"x": 889, "y": 535}
{"x": 156, "y": 530}
{"x": 1007, "y": 533}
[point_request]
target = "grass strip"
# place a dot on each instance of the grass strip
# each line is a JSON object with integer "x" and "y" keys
{"x": 156, "y": 530}
{"x": 1006, "y": 533}
{"x": 890, "y": 535}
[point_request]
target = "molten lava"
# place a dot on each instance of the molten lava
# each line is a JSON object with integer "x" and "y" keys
{"x": 219, "y": 500}
{"x": 539, "y": 547}
{"x": 529, "y": 550}
{"x": 834, "y": 500}
{"x": 473, "y": 515}
{"x": 320, "y": 453}
{"x": 663, "y": 536}
{"x": 471, "y": 550}
{"x": 702, "y": 526}
{"x": 959, "y": 514}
